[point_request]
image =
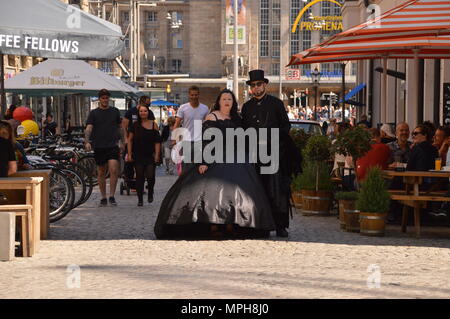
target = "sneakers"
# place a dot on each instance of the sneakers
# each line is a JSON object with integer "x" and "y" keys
{"x": 112, "y": 201}
{"x": 140, "y": 203}
{"x": 103, "y": 203}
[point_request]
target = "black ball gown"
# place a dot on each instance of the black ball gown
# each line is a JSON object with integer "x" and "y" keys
{"x": 227, "y": 193}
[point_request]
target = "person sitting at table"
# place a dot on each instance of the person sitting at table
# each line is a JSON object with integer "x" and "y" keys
{"x": 377, "y": 156}
{"x": 7, "y": 133}
{"x": 401, "y": 148}
{"x": 441, "y": 142}
{"x": 345, "y": 162}
{"x": 423, "y": 153}
{"x": 8, "y": 164}
{"x": 386, "y": 134}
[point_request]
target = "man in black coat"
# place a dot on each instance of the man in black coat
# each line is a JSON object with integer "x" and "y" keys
{"x": 266, "y": 111}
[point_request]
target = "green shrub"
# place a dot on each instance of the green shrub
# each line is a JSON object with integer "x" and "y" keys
{"x": 300, "y": 138}
{"x": 318, "y": 149}
{"x": 346, "y": 195}
{"x": 373, "y": 197}
{"x": 308, "y": 179}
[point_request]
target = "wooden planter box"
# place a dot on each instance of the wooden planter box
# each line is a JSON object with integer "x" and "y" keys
{"x": 351, "y": 216}
{"x": 297, "y": 198}
{"x": 316, "y": 203}
{"x": 372, "y": 224}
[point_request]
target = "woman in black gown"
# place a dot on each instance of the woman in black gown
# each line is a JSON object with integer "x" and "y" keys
{"x": 211, "y": 198}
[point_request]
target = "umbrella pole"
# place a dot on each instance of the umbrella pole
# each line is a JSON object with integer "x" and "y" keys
{"x": 384, "y": 93}
{"x": 2, "y": 87}
{"x": 343, "y": 92}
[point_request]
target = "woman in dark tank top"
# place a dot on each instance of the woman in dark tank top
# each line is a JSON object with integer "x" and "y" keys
{"x": 144, "y": 150}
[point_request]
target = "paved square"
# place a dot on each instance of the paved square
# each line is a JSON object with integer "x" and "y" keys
{"x": 119, "y": 257}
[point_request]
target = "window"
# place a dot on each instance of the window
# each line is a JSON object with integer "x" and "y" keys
{"x": 152, "y": 40}
{"x": 306, "y": 69}
{"x": 125, "y": 17}
{"x": 176, "y": 66}
{"x": 325, "y": 69}
{"x": 152, "y": 16}
{"x": 177, "y": 40}
{"x": 276, "y": 41}
{"x": 275, "y": 69}
{"x": 264, "y": 29}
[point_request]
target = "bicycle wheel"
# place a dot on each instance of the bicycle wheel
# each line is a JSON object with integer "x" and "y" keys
{"x": 78, "y": 184}
{"x": 61, "y": 195}
{"x": 87, "y": 179}
{"x": 88, "y": 163}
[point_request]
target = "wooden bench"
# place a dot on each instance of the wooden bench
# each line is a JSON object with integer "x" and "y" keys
{"x": 412, "y": 196}
{"x": 45, "y": 197}
{"x": 32, "y": 187}
{"x": 25, "y": 215}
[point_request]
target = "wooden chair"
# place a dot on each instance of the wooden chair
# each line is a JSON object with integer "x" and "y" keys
{"x": 24, "y": 214}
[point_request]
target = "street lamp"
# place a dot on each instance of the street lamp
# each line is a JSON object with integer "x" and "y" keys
{"x": 315, "y": 76}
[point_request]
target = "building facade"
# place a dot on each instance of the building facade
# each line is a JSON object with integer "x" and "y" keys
{"x": 172, "y": 45}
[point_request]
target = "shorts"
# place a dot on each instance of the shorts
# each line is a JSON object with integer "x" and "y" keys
{"x": 103, "y": 155}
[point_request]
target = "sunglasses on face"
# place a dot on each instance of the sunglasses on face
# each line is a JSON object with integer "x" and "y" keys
{"x": 258, "y": 84}
{"x": 416, "y": 133}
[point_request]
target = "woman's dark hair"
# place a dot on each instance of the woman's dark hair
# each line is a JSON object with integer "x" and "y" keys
{"x": 9, "y": 114}
{"x": 234, "y": 108}
{"x": 431, "y": 128}
{"x": 445, "y": 129}
{"x": 425, "y": 130}
{"x": 8, "y": 127}
{"x": 138, "y": 124}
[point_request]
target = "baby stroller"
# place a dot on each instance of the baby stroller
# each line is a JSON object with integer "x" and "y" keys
{"x": 128, "y": 181}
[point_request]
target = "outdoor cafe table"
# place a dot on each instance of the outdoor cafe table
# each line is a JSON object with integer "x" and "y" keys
{"x": 412, "y": 196}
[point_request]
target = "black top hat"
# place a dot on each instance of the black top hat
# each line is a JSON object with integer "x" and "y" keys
{"x": 256, "y": 75}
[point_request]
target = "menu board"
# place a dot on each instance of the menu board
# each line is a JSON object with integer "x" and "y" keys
{"x": 446, "y": 103}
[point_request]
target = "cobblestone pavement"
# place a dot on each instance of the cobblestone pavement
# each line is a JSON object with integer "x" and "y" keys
{"x": 119, "y": 257}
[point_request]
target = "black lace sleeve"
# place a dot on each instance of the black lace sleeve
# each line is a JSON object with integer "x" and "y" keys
{"x": 206, "y": 125}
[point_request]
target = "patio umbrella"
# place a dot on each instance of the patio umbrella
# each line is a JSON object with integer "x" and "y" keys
{"x": 416, "y": 29}
{"x": 58, "y": 77}
{"x": 52, "y": 29}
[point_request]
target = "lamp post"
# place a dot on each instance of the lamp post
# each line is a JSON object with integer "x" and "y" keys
{"x": 315, "y": 76}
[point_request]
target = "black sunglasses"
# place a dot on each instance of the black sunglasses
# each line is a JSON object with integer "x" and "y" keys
{"x": 258, "y": 84}
{"x": 416, "y": 133}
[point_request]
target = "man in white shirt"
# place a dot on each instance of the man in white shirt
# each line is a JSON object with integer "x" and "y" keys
{"x": 191, "y": 116}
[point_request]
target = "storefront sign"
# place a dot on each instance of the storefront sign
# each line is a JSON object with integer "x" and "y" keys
{"x": 292, "y": 74}
{"x": 446, "y": 103}
{"x": 329, "y": 24}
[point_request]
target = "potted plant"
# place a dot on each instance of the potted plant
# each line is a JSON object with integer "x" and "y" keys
{"x": 315, "y": 181}
{"x": 348, "y": 214}
{"x": 296, "y": 191}
{"x": 373, "y": 204}
{"x": 355, "y": 142}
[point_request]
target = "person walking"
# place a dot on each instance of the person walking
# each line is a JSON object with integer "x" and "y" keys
{"x": 268, "y": 112}
{"x": 166, "y": 138}
{"x": 106, "y": 137}
{"x": 144, "y": 150}
{"x": 191, "y": 116}
{"x": 131, "y": 117}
